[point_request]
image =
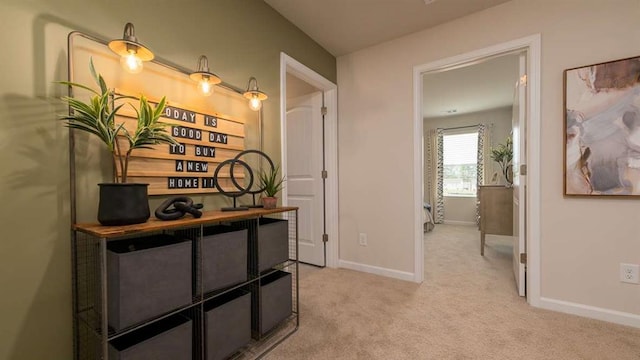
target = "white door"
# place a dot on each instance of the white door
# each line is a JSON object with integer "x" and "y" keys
{"x": 519, "y": 176}
{"x": 304, "y": 183}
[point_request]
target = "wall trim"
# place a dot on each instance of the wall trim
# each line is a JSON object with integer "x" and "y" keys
{"x": 592, "y": 312}
{"x": 376, "y": 270}
{"x": 330, "y": 90}
{"x": 456, "y": 222}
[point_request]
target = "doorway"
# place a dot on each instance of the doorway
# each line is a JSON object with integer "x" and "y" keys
{"x": 531, "y": 47}
{"x": 309, "y": 159}
{"x": 469, "y": 110}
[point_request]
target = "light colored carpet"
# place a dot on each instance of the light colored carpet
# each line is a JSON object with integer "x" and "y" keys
{"x": 467, "y": 308}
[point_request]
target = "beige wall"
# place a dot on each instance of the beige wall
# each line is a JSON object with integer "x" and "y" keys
{"x": 582, "y": 240}
{"x": 498, "y": 121}
{"x": 459, "y": 210}
{"x": 241, "y": 38}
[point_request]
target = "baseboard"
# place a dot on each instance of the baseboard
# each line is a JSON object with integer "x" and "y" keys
{"x": 613, "y": 316}
{"x": 456, "y": 222}
{"x": 396, "y": 274}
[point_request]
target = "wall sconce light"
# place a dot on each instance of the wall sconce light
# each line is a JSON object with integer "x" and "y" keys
{"x": 131, "y": 52}
{"x": 204, "y": 77}
{"x": 254, "y": 95}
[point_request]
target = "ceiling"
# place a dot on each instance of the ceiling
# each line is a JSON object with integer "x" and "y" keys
{"x": 478, "y": 87}
{"x": 344, "y": 26}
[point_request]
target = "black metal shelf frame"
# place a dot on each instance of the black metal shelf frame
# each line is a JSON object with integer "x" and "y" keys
{"x": 91, "y": 330}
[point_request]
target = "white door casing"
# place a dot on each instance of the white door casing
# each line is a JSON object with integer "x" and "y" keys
{"x": 304, "y": 169}
{"x": 289, "y": 65}
{"x": 519, "y": 179}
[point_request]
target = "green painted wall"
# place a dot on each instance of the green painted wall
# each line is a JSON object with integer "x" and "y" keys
{"x": 241, "y": 38}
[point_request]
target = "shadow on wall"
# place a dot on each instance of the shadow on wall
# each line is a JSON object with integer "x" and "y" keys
{"x": 36, "y": 266}
{"x": 36, "y": 243}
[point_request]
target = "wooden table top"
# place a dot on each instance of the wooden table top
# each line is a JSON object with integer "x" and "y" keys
{"x": 153, "y": 224}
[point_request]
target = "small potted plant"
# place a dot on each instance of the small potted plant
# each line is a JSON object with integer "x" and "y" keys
{"x": 272, "y": 184}
{"x": 121, "y": 202}
{"x": 503, "y": 154}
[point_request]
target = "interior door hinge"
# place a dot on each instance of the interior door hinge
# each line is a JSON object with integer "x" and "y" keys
{"x": 324, "y": 174}
{"x": 323, "y": 110}
{"x": 325, "y": 238}
{"x": 523, "y": 80}
{"x": 523, "y": 169}
{"x": 523, "y": 258}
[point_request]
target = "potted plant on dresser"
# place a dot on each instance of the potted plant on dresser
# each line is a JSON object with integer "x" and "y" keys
{"x": 272, "y": 184}
{"x": 503, "y": 155}
{"x": 121, "y": 202}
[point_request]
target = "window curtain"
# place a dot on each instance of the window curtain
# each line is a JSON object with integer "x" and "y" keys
{"x": 483, "y": 138}
{"x": 433, "y": 173}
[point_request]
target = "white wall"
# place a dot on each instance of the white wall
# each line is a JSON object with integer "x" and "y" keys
{"x": 498, "y": 121}
{"x": 582, "y": 240}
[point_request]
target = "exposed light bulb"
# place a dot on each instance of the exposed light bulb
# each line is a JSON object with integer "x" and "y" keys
{"x": 206, "y": 87}
{"x": 255, "y": 104}
{"x": 205, "y": 79}
{"x": 254, "y": 95}
{"x": 131, "y": 62}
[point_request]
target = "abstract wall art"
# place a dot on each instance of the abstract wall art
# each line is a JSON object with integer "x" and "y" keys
{"x": 602, "y": 129}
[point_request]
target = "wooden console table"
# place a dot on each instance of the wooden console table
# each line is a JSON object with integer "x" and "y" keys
{"x": 496, "y": 211}
{"x": 269, "y": 289}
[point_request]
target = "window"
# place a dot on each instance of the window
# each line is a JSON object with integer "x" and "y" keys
{"x": 460, "y": 162}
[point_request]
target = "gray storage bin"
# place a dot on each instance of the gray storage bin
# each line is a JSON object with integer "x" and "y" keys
{"x": 147, "y": 277}
{"x": 275, "y": 302}
{"x": 167, "y": 339}
{"x": 273, "y": 242}
{"x": 224, "y": 257}
{"x": 228, "y": 324}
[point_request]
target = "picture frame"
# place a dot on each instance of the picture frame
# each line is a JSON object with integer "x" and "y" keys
{"x": 602, "y": 129}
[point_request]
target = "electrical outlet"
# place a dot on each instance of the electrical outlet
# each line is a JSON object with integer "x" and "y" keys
{"x": 630, "y": 273}
{"x": 362, "y": 239}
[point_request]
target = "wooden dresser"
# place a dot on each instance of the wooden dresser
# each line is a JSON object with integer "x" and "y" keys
{"x": 496, "y": 211}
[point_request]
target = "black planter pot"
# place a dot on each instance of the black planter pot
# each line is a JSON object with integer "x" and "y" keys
{"x": 123, "y": 204}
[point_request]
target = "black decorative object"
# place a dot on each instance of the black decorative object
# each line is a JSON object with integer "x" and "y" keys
{"x": 252, "y": 192}
{"x": 181, "y": 206}
{"x": 234, "y": 194}
{"x": 123, "y": 204}
{"x": 241, "y": 190}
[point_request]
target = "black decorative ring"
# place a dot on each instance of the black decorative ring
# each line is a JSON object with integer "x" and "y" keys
{"x": 237, "y": 158}
{"x": 235, "y": 183}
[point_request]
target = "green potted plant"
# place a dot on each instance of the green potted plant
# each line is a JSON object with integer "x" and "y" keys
{"x": 272, "y": 184}
{"x": 121, "y": 202}
{"x": 503, "y": 154}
